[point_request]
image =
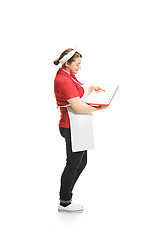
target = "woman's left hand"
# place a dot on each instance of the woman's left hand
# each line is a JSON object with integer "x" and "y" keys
{"x": 97, "y": 89}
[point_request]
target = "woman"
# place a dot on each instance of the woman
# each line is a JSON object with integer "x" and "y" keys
{"x": 75, "y": 124}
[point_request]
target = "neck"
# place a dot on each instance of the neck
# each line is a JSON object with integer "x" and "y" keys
{"x": 66, "y": 71}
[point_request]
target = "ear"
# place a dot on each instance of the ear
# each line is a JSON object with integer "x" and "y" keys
{"x": 67, "y": 64}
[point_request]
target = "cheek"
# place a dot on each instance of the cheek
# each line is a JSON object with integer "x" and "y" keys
{"x": 75, "y": 67}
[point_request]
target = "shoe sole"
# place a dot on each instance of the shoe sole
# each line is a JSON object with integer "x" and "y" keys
{"x": 67, "y": 211}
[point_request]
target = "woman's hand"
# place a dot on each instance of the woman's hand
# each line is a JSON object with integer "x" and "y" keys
{"x": 95, "y": 88}
{"x": 101, "y": 107}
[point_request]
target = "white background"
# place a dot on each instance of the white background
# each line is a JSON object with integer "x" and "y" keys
{"x": 119, "y": 40}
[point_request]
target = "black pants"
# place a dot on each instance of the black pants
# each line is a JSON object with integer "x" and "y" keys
{"x": 75, "y": 163}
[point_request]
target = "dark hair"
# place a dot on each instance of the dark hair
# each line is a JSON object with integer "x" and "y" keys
{"x": 72, "y": 59}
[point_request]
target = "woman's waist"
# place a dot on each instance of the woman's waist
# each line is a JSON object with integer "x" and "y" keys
{"x": 64, "y": 118}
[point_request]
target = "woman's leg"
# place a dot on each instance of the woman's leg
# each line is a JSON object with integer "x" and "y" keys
{"x": 81, "y": 167}
{"x": 76, "y": 162}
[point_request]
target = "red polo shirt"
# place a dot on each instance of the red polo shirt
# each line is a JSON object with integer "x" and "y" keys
{"x": 64, "y": 89}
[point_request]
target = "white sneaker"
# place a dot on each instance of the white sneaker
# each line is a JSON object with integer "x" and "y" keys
{"x": 73, "y": 207}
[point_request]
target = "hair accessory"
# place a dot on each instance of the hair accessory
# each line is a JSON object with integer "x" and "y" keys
{"x": 68, "y": 56}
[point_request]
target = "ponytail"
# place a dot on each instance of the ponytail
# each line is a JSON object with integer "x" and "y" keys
{"x": 56, "y": 62}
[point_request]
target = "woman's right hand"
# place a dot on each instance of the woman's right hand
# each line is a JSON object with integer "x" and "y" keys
{"x": 101, "y": 107}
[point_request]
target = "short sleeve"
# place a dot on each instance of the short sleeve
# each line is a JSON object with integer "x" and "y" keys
{"x": 68, "y": 89}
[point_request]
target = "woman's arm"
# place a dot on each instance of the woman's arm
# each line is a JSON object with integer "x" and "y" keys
{"x": 94, "y": 88}
{"x": 80, "y": 107}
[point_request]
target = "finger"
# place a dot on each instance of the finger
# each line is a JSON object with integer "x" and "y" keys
{"x": 97, "y": 90}
{"x": 101, "y": 89}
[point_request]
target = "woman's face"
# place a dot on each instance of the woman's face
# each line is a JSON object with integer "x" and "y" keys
{"x": 74, "y": 66}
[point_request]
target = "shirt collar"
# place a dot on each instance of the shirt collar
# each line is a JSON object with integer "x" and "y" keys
{"x": 61, "y": 71}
